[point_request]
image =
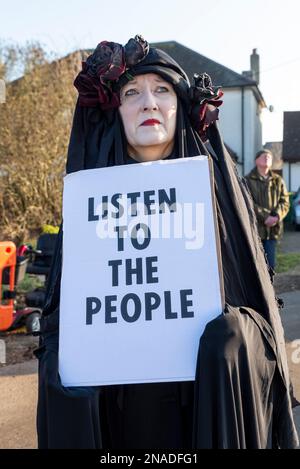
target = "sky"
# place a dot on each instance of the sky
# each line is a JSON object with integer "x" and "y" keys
{"x": 223, "y": 30}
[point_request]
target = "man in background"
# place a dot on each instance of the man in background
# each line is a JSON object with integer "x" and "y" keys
{"x": 271, "y": 202}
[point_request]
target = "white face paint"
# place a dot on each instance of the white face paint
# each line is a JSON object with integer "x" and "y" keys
{"x": 148, "y": 111}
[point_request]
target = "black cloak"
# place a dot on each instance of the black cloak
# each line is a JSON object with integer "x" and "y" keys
{"x": 240, "y": 398}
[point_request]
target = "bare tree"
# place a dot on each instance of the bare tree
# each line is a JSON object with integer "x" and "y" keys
{"x": 35, "y": 123}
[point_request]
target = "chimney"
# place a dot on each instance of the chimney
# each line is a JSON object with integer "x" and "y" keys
{"x": 254, "y": 64}
{"x": 248, "y": 74}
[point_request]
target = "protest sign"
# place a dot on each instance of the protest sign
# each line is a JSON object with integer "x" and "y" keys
{"x": 140, "y": 275}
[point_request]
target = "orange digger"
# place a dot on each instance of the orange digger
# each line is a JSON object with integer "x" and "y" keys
{"x": 12, "y": 271}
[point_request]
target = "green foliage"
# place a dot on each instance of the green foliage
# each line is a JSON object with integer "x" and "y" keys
{"x": 29, "y": 283}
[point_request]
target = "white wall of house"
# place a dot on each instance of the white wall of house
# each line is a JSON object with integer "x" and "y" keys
{"x": 252, "y": 132}
{"x": 230, "y": 119}
{"x": 231, "y": 125}
{"x": 291, "y": 175}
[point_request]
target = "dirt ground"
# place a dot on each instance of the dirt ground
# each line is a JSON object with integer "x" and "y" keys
{"x": 18, "y": 390}
{"x": 19, "y": 348}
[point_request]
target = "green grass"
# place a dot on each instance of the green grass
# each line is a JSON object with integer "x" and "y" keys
{"x": 29, "y": 283}
{"x": 287, "y": 261}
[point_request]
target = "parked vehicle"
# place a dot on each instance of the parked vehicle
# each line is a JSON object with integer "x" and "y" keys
{"x": 296, "y": 210}
{"x": 12, "y": 272}
{"x": 39, "y": 264}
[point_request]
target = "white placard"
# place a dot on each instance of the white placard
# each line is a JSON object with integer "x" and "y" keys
{"x": 140, "y": 276}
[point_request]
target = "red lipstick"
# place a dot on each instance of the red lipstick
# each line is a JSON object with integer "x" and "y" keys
{"x": 150, "y": 122}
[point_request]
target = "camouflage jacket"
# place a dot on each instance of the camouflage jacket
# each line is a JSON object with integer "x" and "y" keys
{"x": 270, "y": 197}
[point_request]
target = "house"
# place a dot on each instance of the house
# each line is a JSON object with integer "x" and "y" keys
{"x": 291, "y": 149}
{"x": 240, "y": 114}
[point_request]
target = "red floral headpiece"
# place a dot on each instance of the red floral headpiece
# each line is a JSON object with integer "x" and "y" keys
{"x": 205, "y": 100}
{"x": 111, "y": 62}
{"x": 104, "y": 67}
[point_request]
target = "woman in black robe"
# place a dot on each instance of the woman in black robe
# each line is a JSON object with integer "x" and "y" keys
{"x": 240, "y": 398}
